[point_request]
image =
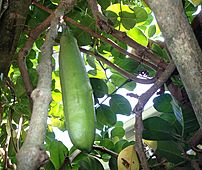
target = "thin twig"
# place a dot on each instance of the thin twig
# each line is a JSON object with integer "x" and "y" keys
{"x": 105, "y": 150}
{"x": 143, "y": 99}
{"x": 120, "y": 70}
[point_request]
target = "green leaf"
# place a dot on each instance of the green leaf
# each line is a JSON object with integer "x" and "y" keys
{"x": 118, "y": 131}
{"x": 99, "y": 87}
{"x": 58, "y": 152}
{"x": 107, "y": 143}
{"x": 170, "y": 150}
{"x": 120, "y": 105}
{"x": 151, "y": 31}
{"x": 137, "y": 35}
{"x": 113, "y": 163}
{"x": 58, "y": 123}
{"x": 19, "y": 87}
{"x": 113, "y": 17}
{"x": 141, "y": 14}
{"x": 90, "y": 163}
{"x": 128, "y": 19}
{"x": 156, "y": 128}
{"x": 32, "y": 54}
{"x": 103, "y": 4}
{"x": 105, "y": 115}
{"x": 120, "y": 145}
{"x": 162, "y": 103}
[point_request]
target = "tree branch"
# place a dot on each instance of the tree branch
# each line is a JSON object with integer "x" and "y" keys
{"x": 25, "y": 51}
{"x": 138, "y": 58}
{"x": 143, "y": 99}
{"x": 121, "y": 36}
{"x": 118, "y": 69}
{"x": 105, "y": 150}
{"x": 31, "y": 156}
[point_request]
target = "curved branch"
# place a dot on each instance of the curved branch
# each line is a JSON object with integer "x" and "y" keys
{"x": 143, "y": 99}
{"x": 121, "y": 36}
{"x": 25, "y": 51}
{"x": 120, "y": 70}
{"x": 138, "y": 58}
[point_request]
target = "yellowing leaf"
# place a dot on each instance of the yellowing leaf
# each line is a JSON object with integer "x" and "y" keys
{"x": 196, "y": 2}
{"x": 127, "y": 159}
{"x": 151, "y": 143}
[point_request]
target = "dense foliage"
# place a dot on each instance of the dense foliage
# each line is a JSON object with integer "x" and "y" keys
{"x": 165, "y": 136}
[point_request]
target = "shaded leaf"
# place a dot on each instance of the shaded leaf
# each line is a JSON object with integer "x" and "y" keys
{"x": 58, "y": 152}
{"x": 170, "y": 151}
{"x": 118, "y": 131}
{"x": 156, "y": 128}
{"x": 105, "y": 115}
{"x": 90, "y": 163}
{"x": 120, "y": 105}
{"x": 99, "y": 87}
{"x": 162, "y": 103}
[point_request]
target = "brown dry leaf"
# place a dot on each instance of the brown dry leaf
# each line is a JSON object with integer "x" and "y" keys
{"x": 127, "y": 159}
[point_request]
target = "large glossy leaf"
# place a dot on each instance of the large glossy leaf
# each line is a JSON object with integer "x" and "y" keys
{"x": 58, "y": 152}
{"x": 99, "y": 87}
{"x": 120, "y": 105}
{"x": 170, "y": 150}
{"x": 156, "y": 128}
{"x": 105, "y": 115}
{"x": 162, "y": 103}
{"x": 90, "y": 163}
{"x": 127, "y": 159}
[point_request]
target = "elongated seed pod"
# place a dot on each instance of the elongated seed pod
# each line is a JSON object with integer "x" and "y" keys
{"x": 76, "y": 94}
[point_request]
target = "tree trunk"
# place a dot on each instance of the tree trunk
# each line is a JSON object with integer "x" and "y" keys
{"x": 183, "y": 48}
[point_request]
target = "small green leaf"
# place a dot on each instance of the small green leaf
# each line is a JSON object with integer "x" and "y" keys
{"x": 99, "y": 87}
{"x": 118, "y": 131}
{"x": 151, "y": 31}
{"x": 113, "y": 17}
{"x": 105, "y": 115}
{"x": 128, "y": 19}
{"x": 120, "y": 105}
{"x": 141, "y": 14}
{"x": 107, "y": 143}
{"x": 120, "y": 145}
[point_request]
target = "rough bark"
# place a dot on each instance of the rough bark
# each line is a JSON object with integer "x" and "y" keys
{"x": 183, "y": 48}
{"x": 12, "y": 23}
